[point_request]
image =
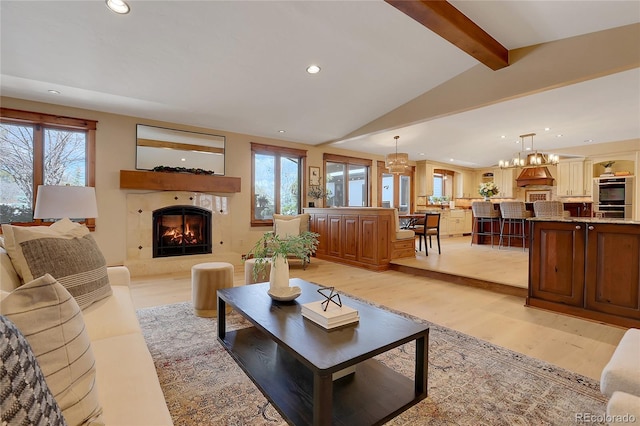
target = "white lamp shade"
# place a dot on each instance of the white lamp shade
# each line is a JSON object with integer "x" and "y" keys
{"x": 57, "y": 202}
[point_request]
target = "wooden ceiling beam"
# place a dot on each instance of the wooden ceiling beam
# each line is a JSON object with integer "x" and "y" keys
{"x": 452, "y": 25}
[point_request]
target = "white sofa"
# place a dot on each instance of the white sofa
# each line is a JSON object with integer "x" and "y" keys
{"x": 128, "y": 387}
{"x": 620, "y": 380}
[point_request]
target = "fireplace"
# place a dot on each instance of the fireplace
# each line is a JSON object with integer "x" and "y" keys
{"x": 181, "y": 230}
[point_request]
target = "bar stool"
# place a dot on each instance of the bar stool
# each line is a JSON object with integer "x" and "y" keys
{"x": 513, "y": 212}
{"x": 483, "y": 212}
{"x": 543, "y": 208}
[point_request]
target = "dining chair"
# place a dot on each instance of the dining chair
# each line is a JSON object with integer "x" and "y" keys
{"x": 430, "y": 228}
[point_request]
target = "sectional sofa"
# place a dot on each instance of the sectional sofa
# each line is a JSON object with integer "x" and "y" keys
{"x": 128, "y": 390}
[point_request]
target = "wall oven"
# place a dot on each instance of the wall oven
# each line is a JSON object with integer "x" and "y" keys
{"x": 613, "y": 197}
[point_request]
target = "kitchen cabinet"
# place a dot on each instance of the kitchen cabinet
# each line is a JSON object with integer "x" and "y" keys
{"x": 571, "y": 179}
{"x": 424, "y": 179}
{"x": 588, "y": 178}
{"x": 455, "y": 222}
{"x": 505, "y": 179}
{"x": 587, "y": 268}
{"x": 468, "y": 222}
{"x": 467, "y": 185}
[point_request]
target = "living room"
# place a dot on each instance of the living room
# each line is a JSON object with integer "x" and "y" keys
{"x": 116, "y": 151}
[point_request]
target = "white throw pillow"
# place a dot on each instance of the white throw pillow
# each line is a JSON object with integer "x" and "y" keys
{"x": 51, "y": 320}
{"x": 287, "y": 228}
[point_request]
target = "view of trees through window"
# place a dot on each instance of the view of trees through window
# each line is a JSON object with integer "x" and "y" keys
{"x": 58, "y": 156}
{"x": 277, "y": 176}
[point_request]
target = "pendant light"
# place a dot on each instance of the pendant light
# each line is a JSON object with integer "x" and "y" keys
{"x": 397, "y": 162}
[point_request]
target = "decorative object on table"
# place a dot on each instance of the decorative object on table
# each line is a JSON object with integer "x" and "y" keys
{"x": 276, "y": 247}
{"x": 397, "y": 162}
{"x": 608, "y": 170}
{"x": 488, "y": 189}
{"x": 331, "y": 297}
{"x": 330, "y": 312}
{"x": 317, "y": 191}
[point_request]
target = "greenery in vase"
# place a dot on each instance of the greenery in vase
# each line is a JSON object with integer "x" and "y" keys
{"x": 271, "y": 246}
{"x": 488, "y": 189}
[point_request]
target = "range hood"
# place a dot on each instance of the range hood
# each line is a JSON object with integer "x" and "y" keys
{"x": 535, "y": 176}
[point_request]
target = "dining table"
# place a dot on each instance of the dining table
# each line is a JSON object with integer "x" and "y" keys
{"x": 410, "y": 220}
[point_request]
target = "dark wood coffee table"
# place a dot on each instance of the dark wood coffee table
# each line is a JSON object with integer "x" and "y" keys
{"x": 292, "y": 360}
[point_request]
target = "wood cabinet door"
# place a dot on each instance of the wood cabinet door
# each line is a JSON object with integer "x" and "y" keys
{"x": 350, "y": 237}
{"x": 334, "y": 235}
{"x": 613, "y": 269}
{"x": 319, "y": 226}
{"x": 556, "y": 262}
{"x": 369, "y": 243}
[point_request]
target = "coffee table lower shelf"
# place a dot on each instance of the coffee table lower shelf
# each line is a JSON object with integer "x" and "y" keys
{"x": 373, "y": 395}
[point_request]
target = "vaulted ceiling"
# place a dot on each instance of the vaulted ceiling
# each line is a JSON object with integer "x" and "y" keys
{"x": 240, "y": 67}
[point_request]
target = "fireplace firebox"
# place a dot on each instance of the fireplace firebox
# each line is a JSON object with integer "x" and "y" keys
{"x": 181, "y": 230}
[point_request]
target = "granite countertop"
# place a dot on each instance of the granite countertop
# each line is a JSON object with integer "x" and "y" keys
{"x": 586, "y": 220}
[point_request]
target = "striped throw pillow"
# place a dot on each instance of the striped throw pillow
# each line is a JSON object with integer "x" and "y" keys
{"x": 73, "y": 258}
{"x": 51, "y": 321}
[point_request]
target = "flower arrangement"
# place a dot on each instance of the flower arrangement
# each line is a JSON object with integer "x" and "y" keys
{"x": 488, "y": 189}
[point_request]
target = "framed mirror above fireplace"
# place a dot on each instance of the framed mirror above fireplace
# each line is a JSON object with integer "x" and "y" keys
{"x": 179, "y": 149}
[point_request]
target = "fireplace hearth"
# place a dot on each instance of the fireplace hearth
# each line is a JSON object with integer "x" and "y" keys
{"x": 181, "y": 231}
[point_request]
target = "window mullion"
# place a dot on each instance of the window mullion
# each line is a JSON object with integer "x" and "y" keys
{"x": 277, "y": 183}
{"x": 38, "y": 159}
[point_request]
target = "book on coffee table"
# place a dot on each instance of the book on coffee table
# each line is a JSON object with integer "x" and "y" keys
{"x": 334, "y": 316}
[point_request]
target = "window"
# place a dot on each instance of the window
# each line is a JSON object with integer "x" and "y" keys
{"x": 394, "y": 190}
{"x": 443, "y": 183}
{"x": 41, "y": 149}
{"x": 277, "y": 179}
{"x": 347, "y": 181}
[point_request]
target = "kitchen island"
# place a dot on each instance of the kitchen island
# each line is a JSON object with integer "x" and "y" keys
{"x": 587, "y": 267}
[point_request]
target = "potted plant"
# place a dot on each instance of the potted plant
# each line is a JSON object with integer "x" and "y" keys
{"x": 275, "y": 250}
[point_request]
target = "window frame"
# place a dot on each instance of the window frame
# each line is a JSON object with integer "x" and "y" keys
{"x": 410, "y": 172}
{"x": 40, "y": 121}
{"x": 278, "y": 152}
{"x": 348, "y": 161}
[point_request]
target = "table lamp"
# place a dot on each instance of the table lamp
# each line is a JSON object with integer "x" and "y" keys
{"x": 58, "y": 202}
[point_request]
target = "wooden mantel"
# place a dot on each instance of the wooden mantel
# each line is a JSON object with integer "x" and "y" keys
{"x": 163, "y": 181}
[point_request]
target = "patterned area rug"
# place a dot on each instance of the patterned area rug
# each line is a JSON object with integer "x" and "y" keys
{"x": 471, "y": 382}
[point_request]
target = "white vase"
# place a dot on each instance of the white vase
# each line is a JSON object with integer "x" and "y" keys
{"x": 279, "y": 275}
{"x": 486, "y": 199}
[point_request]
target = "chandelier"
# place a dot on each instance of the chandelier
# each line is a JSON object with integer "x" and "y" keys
{"x": 528, "y": 156}
{"x": 397, "y": 162}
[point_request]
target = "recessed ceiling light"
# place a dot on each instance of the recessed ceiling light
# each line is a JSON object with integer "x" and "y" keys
{"x": 313, "y": 69}
{"x": 53, "y": 92}
{"x": 588, "y": 140}
{"x": 183, "y": 159}
{"x": 450, "y": 159}
{"x": 546, "y": 129}
{"x": 503, "y": 136}
{"x": 118, "y": 6}
{"x": 282, "y": 131}
{"x": 559, "y": 135}
{"x": 422, "y": 153}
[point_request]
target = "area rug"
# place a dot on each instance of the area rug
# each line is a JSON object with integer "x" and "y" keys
{"x": 471, "y": 382}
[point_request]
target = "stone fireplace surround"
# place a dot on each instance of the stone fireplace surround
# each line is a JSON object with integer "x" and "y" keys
{"x": 140, "y": 207}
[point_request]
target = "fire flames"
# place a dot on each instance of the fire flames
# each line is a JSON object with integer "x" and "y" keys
{"x": 175, "y": 236}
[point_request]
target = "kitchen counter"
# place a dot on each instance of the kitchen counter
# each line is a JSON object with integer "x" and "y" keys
{"x": 586, "y": 220}
{"x": 586, "y": 267}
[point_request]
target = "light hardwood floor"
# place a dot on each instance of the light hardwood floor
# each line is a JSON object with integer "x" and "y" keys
{"x": 575, "y": 344}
